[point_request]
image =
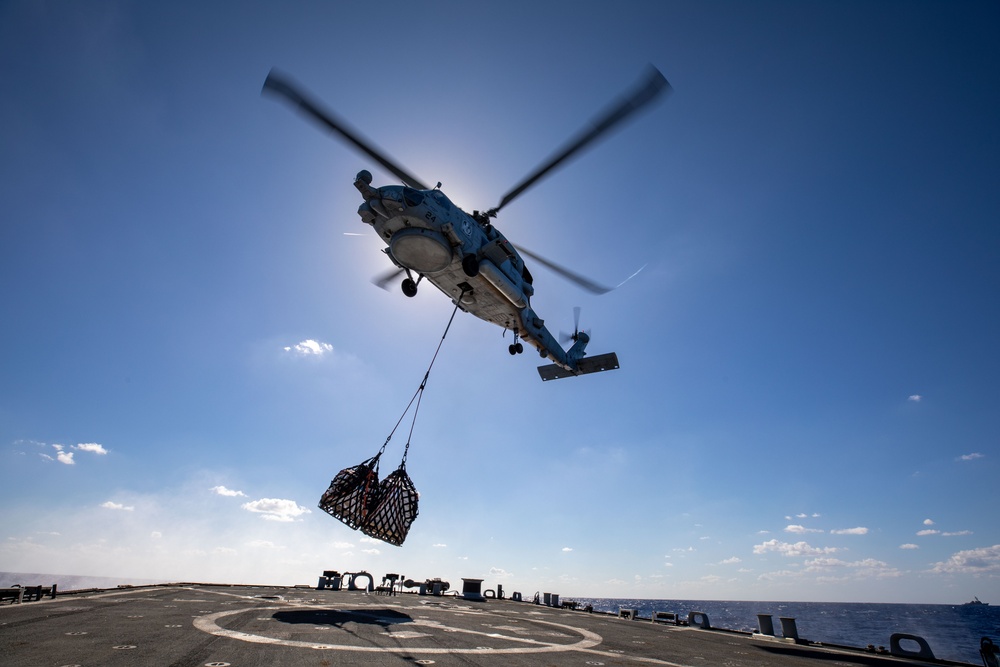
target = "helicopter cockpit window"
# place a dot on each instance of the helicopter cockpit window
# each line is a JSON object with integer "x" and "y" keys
{"x": 412, "y": 197}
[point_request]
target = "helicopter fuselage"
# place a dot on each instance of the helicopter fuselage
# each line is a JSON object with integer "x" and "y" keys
{"x": 470, "y": 262}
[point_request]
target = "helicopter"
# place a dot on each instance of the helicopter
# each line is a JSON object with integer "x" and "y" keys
{"x": 464, "y": 255}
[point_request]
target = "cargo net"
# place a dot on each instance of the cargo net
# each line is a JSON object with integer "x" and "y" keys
{"x": 383, "y": 510}
{"x": 353, "y": 493}
{"x": 395, "y": 509}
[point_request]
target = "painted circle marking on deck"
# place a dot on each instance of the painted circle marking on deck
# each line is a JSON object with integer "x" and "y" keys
{"x": 588, "y": 639}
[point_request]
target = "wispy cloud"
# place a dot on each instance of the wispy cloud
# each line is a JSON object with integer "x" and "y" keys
{"x": 264, "y": 544}
{"x": 439, "y": 544}
{"x": 971, "y": 457}
{"x": 956, "y": 533}
{"x": 91, "y": 447}
{"x": 791, "y": 550}
{"x": 731, "y": 561}
{"x": 500, "y": 572}
{"x": 850, "y": 531}
{"x": 973, "y": 561}
{"x": 567, "y": 548}
{"x": 223, "y": 491}
{"x": 276, "y": 509}
{"x": 929, "y": 531}
{"x": 310, "y": 348}
{"x": 915, "y": 398}
{"x": 110, "y": 505}
{"x": 799, "y": 530}
{"x": 868, "y": 567}
{"x": 908, "y": 546}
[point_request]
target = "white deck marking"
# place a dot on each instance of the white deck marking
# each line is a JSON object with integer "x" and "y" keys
{"x": 210, "y": 624}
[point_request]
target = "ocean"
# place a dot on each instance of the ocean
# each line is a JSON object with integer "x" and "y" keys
{"x": 952, "y": 631}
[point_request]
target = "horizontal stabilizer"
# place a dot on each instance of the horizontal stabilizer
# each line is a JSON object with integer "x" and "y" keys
{"x": 602, "y": 362}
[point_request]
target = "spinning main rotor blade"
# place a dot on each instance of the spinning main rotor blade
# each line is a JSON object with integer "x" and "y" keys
{"x": 652, "y": 86}
{"x": 278, "y": 85}
{"x": 585, "y": 283}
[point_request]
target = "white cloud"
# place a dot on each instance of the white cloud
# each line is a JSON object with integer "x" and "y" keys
{"x": 850, "y": 531}
{"x": 908, "y": 546}
{"x": 343, "y": 545}
{"x": 794, "y": 528}
{"x": 499, "y": 572}
{"x": 928, "y": 522}
{"x": 915, "y": 398}
{"x": 310, "y": 348}
{"x": 957, "y": 533}
{"x": 109, "y": 505}
{"x": 371, "y": 552}
{"x": 971, "y": 457}
{"x": 787, "y": 549}
{"x": 276, "y": 509}
{"x": 973, "y": 561}
{"x": 567, "y": 548}
{"x": 91, "y": 447}
{"x": 63, "y": 456}
{"x": 439, "y": 545}
{"x": 929, "y": 531}
{"x": 731, "y": 561}
{"x": 156, "y": 535}
{"x": 224, "y": 551}
{"x": 223, "y": 491}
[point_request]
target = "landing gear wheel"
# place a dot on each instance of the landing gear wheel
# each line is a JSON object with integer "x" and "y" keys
{"x": 518, "y": 348}
{"x": 470, "y": 265}
{"x": 512, "y": 349}
{"x": 409, "y": 287}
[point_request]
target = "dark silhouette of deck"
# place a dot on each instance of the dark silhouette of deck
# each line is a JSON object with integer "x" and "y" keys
{"x": 192, "y": 625}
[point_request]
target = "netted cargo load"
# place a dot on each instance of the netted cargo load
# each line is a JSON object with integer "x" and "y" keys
{"x": 353, "y": 493}
{"x": 382, "y": 510}
{"x": 389, "y": 520}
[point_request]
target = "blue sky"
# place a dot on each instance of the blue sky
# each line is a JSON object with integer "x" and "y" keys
{"x": 807, "y": 404}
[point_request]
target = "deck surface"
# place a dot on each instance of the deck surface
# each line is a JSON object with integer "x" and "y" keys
{"x": 244, "y": 626}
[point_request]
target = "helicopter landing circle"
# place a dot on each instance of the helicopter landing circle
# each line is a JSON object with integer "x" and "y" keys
{"x": 533, "y": 636}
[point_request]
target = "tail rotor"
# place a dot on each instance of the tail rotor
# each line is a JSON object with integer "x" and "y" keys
{"x": 577, "y": 335}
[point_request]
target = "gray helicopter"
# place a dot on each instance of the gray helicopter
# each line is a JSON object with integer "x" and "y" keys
{"x": 465, "y": 256}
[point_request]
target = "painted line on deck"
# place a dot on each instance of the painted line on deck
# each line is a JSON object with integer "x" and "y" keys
{"x": 210, "y": 625}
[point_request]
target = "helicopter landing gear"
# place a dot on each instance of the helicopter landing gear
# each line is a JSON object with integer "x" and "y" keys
{"x": 515, "y": 347}
{"x": 470, "y": 264}
{"x": 409, "y": 285}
